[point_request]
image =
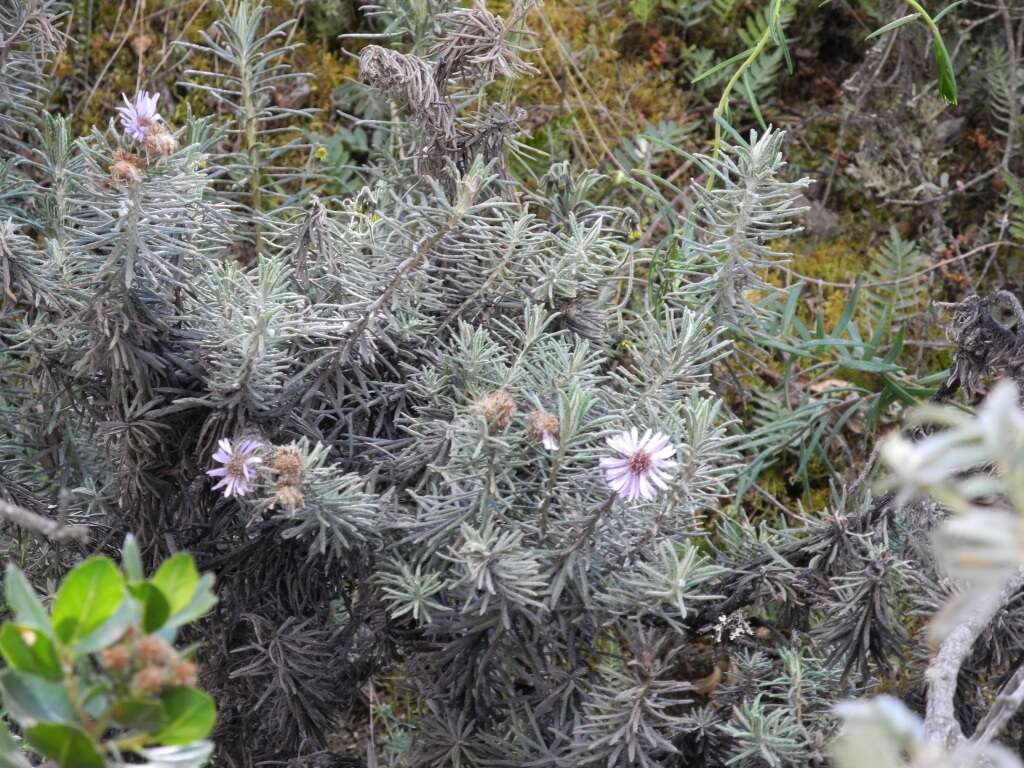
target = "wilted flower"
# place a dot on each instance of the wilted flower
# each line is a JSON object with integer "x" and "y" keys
{"x": 125, "y": 169}
{"x": 639, "y": 469}
{"x": 160, "y": 141}
{"x": 239, "y": 470}
{"x": 498, "y": 408}
{"x": 543, "y": 426}
{"x": 287, "y": 463}
{"x": 137, "y": 116}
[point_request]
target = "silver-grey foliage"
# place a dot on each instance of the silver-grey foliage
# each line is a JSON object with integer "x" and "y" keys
{"x": 431, "y": 371}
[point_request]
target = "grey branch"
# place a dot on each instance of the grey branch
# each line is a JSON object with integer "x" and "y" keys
{"x": 52, "y": 529}
{"x": 940, "y": 721}
{"x": 1003, "y": 708}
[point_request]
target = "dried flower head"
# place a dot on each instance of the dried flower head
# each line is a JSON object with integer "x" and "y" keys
{"x": 137, "y": 116}
{"x": 153, "y": 649}
{"x": 148, "y": 680}
{"x": 160, "y": 141}
{"x": 287, "y": 463}
{"x": 289, "y": 496}
{"x": 127, "y": 168}
{"x": 117, "y": 658}
{"x": 184, "y": 673}
{"x": 543, "y": 426}
{"x": 141, "y": 43}
{"x": 238, "y": 472}
{"x": 498, "y": 408}
{"x": 478, "y": 44}
{"x": 638, "y": 471}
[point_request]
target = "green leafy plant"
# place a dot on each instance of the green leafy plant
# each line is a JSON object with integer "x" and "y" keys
{"x": 897, "y": 290}
{"x": 97, "y": 679}
{"x": 763, "y": 34}
{"x": 943, "y": 63}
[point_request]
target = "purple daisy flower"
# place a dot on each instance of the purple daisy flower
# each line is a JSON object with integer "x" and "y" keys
{"x": 239, "y": 471}
{"x": 137, "y": 116}
{"x": 640, "y": 467}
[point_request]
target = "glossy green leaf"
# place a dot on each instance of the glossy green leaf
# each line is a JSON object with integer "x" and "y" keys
{"x": 202, "y": 601}
{"x": 139, "y": 714}
{"x": 29, "y": 650}
{"x": 110, "y": 630}
{"x": 30, "y": 699}
{"x": 155, "y": 608}
{"x": 189, "y": 715}
{"x": 68, "y": 745}
{"x": 90, "y": 595}
{"x": 27, "y": 607}
{"x": 177, "y": 578}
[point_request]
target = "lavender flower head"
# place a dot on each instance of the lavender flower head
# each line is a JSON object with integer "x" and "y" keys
{"x": 139, "y": 115}
{"x": 239, "y": 471}
{"x": 640, "y": 467}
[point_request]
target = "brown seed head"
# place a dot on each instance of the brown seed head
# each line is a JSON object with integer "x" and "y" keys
{"x": 542, "y": 426}
{"x": 126, "y": 168}
{"x": 289, "y": 496}
{"x": 160, "y": 141}
{"x": 498, "y": 408}
{"x": 184, "y": 673}
{"x": 288, "y": 464}
{"x": 117, "y": 658}
{"x": 141, "y": 44}
{"x": 155, "y": 650}
{"x": 148, "y": 681}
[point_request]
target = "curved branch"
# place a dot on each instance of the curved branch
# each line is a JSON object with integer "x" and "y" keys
{"x": 940, "y": 719}
{"x": 52, "y": 529}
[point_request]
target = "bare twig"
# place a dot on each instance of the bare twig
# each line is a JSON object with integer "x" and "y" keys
{"x": 1003, "y": 708}
{"x": 52, "y": 529}
{"x": 940, "y": 719}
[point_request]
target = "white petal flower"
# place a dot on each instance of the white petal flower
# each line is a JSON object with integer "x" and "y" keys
{"x": 642, "y": 465}
{"x": 139, "y": 115}
{"x": 238, "y": 473}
